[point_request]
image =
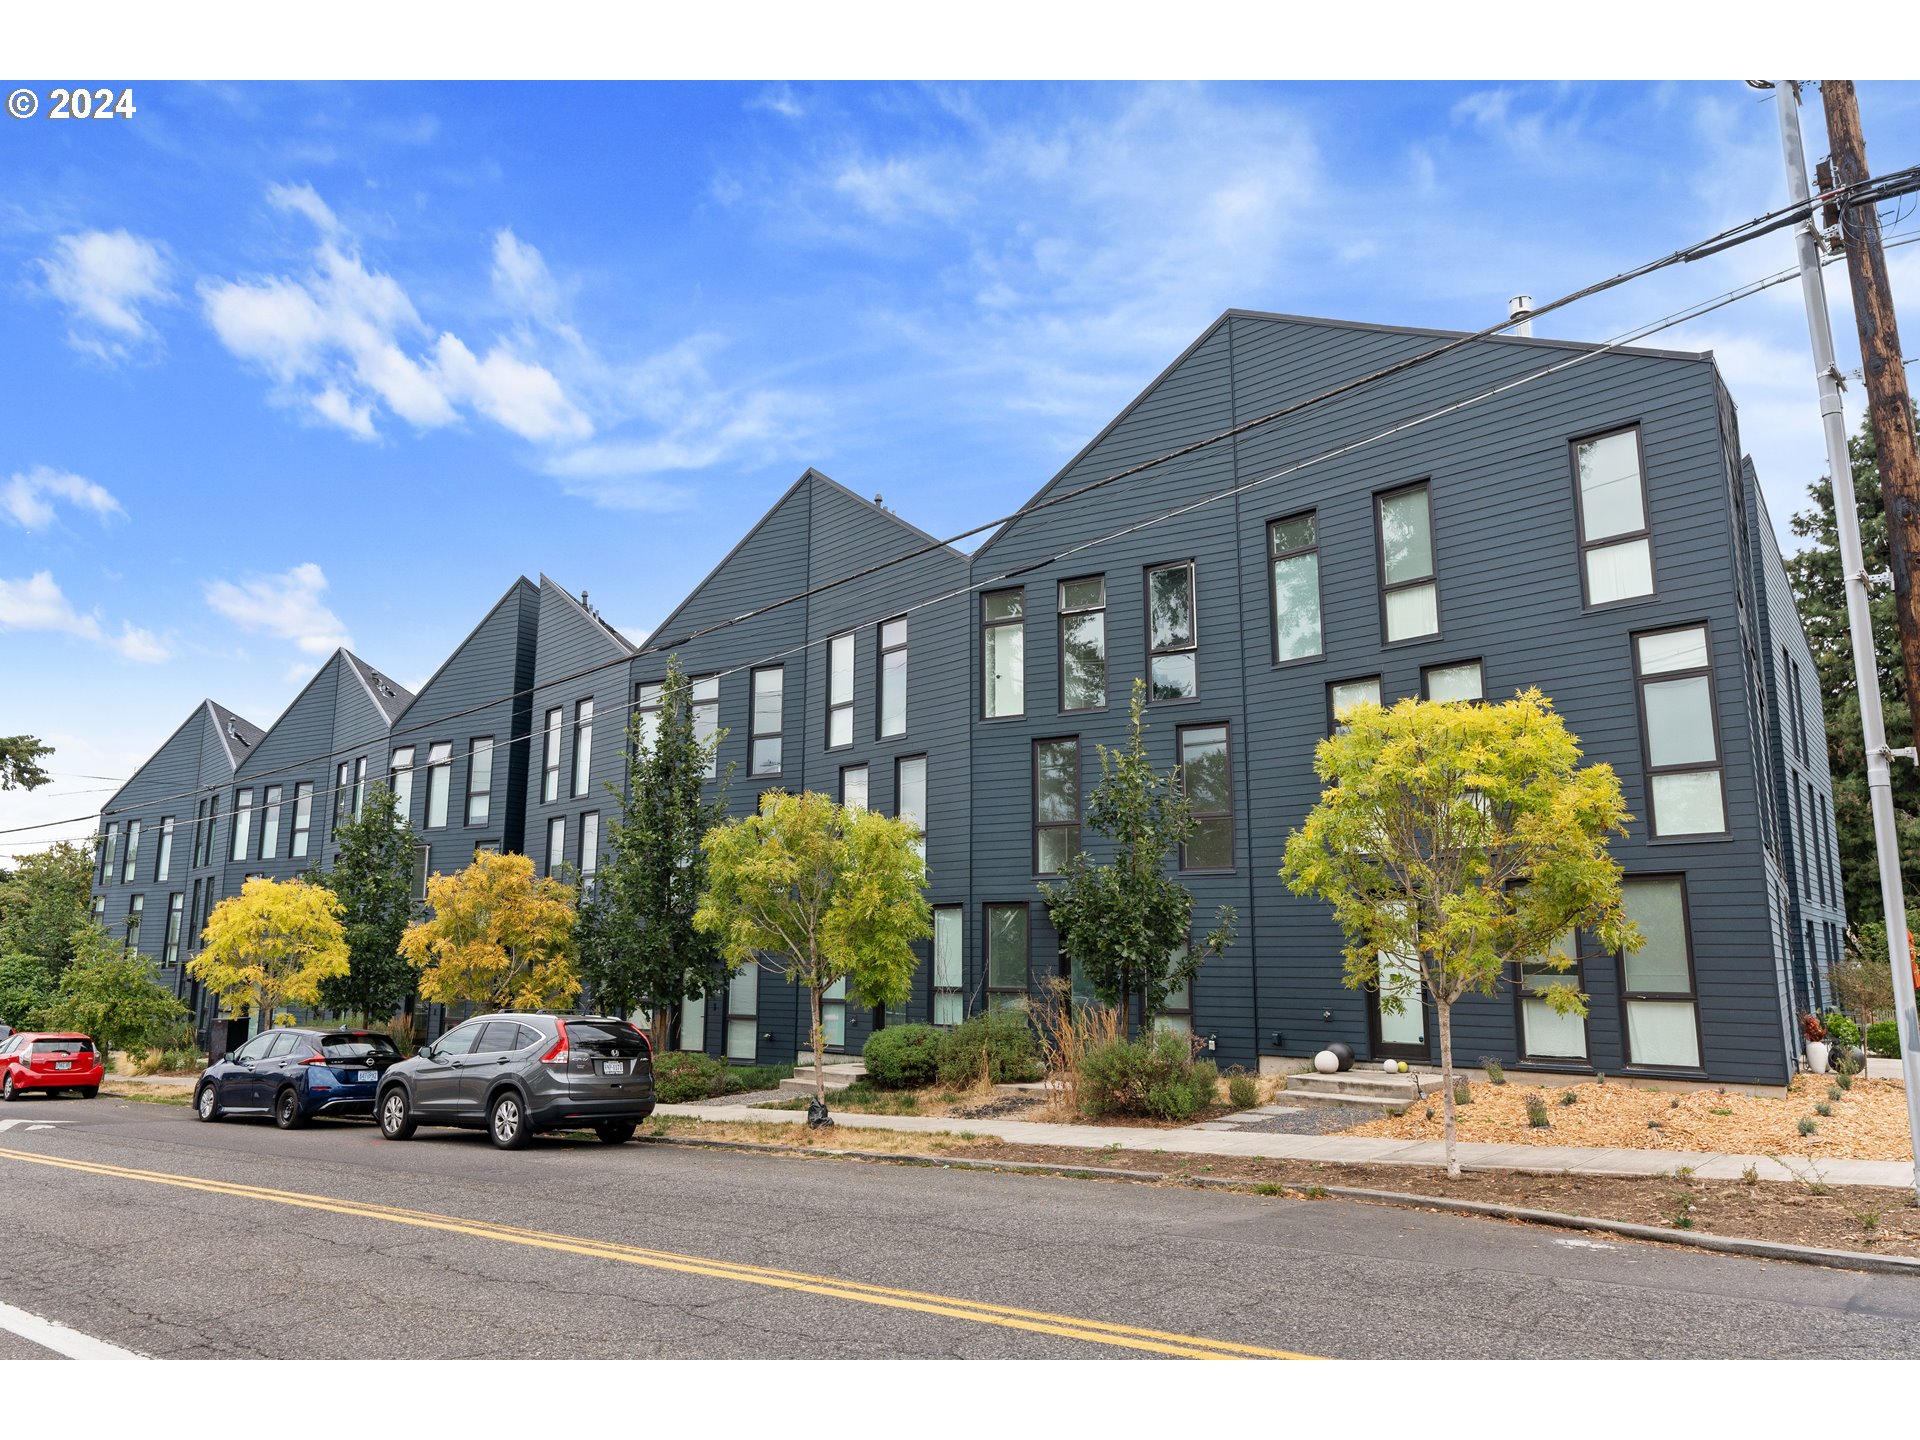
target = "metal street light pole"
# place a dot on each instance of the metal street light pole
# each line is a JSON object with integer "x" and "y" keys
{"x": 1866, "y": 670}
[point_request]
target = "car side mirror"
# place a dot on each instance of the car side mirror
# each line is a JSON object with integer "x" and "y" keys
{"x": 227, "y": 1058}
{"x": 425, "y": 1052}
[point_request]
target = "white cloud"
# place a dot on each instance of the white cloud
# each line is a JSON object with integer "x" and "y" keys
{"x": 780, "y": 99}
{"x": 287, "y": 605}
{"x": 27, "y": 497}
{"x": 522, "y": 397}
{"x": 304, "y": 200}
{"x": 104, "y": 279}
{"x": 37, "y": 603}
{"x": 521, "y": 278}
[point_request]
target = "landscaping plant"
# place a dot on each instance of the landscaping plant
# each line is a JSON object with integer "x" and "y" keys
{"x": 111, "y": 995}
{"x": 1883, "y": 1039}
{"x": 1537, "y": 1112}
{"x": 498, "y": 937}
{"x": 903, "y": 1057}
{"x": 995, "y": 1047}
{"x": 44, "y": 899}
{"x": 1496, "y": 1073}
{"x": 275, "y": 943}
{"x": 1154, "y": 1076}
{"x": 1242, "y": 1092}
{"x": 1068, "y": 1030}
{"x": 373, "y": 878}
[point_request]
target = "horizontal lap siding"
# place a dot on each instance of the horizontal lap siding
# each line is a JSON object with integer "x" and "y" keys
{"x": 296, "y": 748}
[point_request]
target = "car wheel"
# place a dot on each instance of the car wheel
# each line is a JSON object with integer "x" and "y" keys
{"x": 206, "y": 1104}
{"x": 507, "y": 1122}
{"x": 87, "y": 1092}
{"x": 8, "y": 1090}
{"x": 286, "y": 1109}
{"x": 396, "y": 1116}
{"x": 615, "y": 1132}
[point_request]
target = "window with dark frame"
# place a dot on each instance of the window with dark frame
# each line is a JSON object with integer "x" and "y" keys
{"x": 1616, "y": 544}
{"x": 1293, "y": 548}
{"x": 1003, "y": 653}
{"x": 1083, "y": 643}
{"x": 1056, "y": 804}
{"x": 439, "y": 782}
{"x": 170, "y": 951}
{"x": 840, "y": 691}
{"x": 1007, "y": 944}
{"x": 743, "y": 1013}
{"x": 1657, "y": 985}
{"x": 110, "y": 853}
{"x": 130, "y": 872}
{"x": 136, "y": 910}
{"x": 269, "y": 824}
{"x": 422, "y": 862}
{"x": 769, "y": 719}
{"x": 910, "y": 795}
{"x": 1545, "y": 1033}
{"x": 646, "y": 710}
{"x": 1791, "y": 668}
{"x": 582, "y": 746}
{"x": 480, "y": 775}
{"x": 163, "y": 862}
{"x": 302, "y": 819}
{"x": 1176, "y": 1012}
{"x": 359, "y": 786}
{"x": 853, "y": 786}
{"x": 949, "y": 971}
{"x": 589, "y": 845}
{"x": 556, "y": 844}
{"x": 1173, "y": 635}
{"x": 342, "y": 805}
{"x": 400, "y": 781}
{"x": 242, "y": 823}
{"x": 1458, "y": 681}
{"x": 893, "y": 677}
{"x": 1342, "y": 695}
{"x": 703, "y": 696}
{"x": 1206, "y": 779}
{"x": 550, "y": 758}
{"x": 1409, "y": 591}
{"x": 1680, "y": 735}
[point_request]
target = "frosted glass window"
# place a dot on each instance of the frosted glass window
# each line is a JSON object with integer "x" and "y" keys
{"x": 910, "y": 795}
{"x": 1455, "y": 682}
{"x": 1411, "y": 603}
{"x": 893, "y": 678}
{"x": 1665, "y": 651}
{"x": 440, "y": 781}
{"x": 839, "y": 691}
{"x": 693, "y": 1023}
{"x": 556, "y": 843}
{"x": 1684, "y": 785}
{"x": 705, "y": 696}
{"x": 1003, "y": 652}
{"x": 769, "y": 697}
{"x": 1619, "y": 572}
{"x": 582, "y": 750}
{"x": 400, "y": 781}
{"x": 1412, "y": 612}
{"x": 949, "y": 926}
{"x": 853, "y": 787}
{"x": 242, "y": 828}
{"x": 480, "y": 771}
{"x": 1662, "y": 1032}
{"x": 269, "y": 829}
{"x": 1343, "y": 695}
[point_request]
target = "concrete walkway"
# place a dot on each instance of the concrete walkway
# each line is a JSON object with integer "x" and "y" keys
{"x": 1430, "y": 1153}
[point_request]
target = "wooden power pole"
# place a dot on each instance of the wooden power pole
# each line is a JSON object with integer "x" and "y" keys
{"x": 1889, "y": 406}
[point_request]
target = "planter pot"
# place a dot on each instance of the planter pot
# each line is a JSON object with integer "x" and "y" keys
{"x": 1817, "y": 1056}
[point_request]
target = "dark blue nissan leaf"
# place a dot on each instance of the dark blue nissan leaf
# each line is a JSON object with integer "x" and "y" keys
{"x": 293, "y": 1075}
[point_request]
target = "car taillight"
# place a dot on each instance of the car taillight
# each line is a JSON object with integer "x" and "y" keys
{"x": 316, "y": 1060}
{"x": 558, "y": 1054}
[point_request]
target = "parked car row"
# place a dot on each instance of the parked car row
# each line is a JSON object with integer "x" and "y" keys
{"x": 510, "y": 1074}
{"x": 50, "y": 1061}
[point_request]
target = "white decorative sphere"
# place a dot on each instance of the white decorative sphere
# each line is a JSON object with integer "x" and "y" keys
{"x": 1390, "y": 1066}
{"x": 1326, "y": 1062}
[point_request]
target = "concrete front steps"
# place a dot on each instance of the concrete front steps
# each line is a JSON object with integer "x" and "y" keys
{"x": 1372, "y": 1088}
{"x": 835, "y": 1075}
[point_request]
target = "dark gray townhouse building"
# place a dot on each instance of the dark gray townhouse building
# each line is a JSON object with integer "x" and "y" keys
{"x": 1513, "y": 513}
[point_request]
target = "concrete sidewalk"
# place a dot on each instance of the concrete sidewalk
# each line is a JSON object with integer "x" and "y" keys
{"x": 1430, "y": 1153}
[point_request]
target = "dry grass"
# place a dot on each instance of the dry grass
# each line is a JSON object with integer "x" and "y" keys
{"x": 1869, "y": 1122}
{"x": 150, "y": 1094}
{"x": 837, "y": 1137}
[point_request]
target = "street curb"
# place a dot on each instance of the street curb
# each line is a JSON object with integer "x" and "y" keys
{"x": 1721, "y": 1244}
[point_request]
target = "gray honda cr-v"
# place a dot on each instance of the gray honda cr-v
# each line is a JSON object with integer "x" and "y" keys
{"x": 513, "y": 1075}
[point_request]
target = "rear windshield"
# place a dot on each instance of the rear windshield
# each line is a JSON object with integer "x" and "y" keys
{"x": 359, "y": 1047}
{"x": 63, "y": 1047}
{"x": 605, "y": 1037}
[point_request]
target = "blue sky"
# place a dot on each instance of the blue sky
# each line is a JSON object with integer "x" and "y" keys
{"x": 289, "y": 366}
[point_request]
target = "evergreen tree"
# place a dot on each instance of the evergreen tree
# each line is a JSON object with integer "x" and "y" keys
{"x": 373, "y": 879}
{"x": 1819, "y": 584}
{"x": 20, "y": 757}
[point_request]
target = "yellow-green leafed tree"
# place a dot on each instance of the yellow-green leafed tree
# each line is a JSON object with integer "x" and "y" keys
{"x": 820, "y": 893}
{"x": 1455, "y": 839}
{"x": 497, "y": 936}
{"x": 271, "y": 945}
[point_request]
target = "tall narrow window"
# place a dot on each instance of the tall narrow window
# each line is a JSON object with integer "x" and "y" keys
{"x": 910, "y": 795}
{"x": 1056, "y": 804}
{"x": 743, "y": 1013}
{"x": 853, "y": 786}
{"x": 1003, "y": 652}
{"x": 1546, "y": 1033}
{"x": 1294, "y": 545}
{"x": 582, "y": 747}
{"x": 556, "y": 843}
{"x": 550, "y": 759}
{"x": 1343, "y": 695}
{"x": 197, "y": 850}
{"x": 170, "y": 952}
{"x": 213, "y": 828}
{"x": 1006, "y": 957}
{"x": 480, "y": 778}
{"x": 342, "y": 805}
{"x": 163, "y": 863}
{"x": 1791, "y": 669}
{"x": 110, "y": 854}
{"x": 1206, "y": 777}
{"x": 136, "y": 909}
{"x": 1176, "y": 1014}
{"x": 839, "y": 691}
{"x": 1083, "y": 643}
{"x": 439, "y": 782}
{"x": 1616, "y": 548}
{"x": 646, "y": 711}
{"x": 130, "y": 872}
{"x": 242, "y": 824}
{"x": 706, "y": 717}
{"x": 949, "y": 930}
{"x": 100, "y": 909}
{"x": 1656, "y": 981}
{"x": 833, "y": 1015}
{"x": 400, "y": 781}
{"x": 1675, "y": 680}
{"x": 359, "y": 786}
{"x": 270, "y": 824}
{"x": 1409, "y": 598}
{"x": 769, "y": 718}
{"x": 422, "y": 863}
{"x": 893, "y": 677}
{"x": 302, "y": 818}
{"x": 1453, "y": 682}
{"x": 589, "y": 843}
{"x": 1172, "y": 634}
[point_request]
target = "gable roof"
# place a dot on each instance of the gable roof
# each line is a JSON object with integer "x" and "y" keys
{"x": 521, "y": 587}
{"x": 238, "y": 735}
{"x": 548, "y": 583}
{"x": 388, "y": 696}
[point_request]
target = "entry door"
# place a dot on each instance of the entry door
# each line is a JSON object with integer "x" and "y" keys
{"x": 1401, "y": 1035}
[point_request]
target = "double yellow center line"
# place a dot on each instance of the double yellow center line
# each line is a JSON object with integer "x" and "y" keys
{"x": 1098, "y": 1332}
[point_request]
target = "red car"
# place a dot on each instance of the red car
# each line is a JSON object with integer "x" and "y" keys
{"x": 47, "y": 1060}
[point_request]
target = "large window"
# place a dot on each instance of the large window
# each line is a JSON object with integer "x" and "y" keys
{"x": 136, "y": 910}
{"x": 1459, "y": 681}
{"x": 1173, "y": 664}
{"x": 400, "y": 781}
{"x": 910, "y": 795}
{"x": 130, "y": 872}
{"x": 833, "y": 1015}
{"x": 342, "y": 796}
{"x": 1083, "y": 643}
{"x": 1409, "y": 598}
{"x": 556, "y": 843}
{"x": 1007, "y": 957}
{"x": 480, "y": 777}
{"x": 949, "y": 930}
{"x": 550, "y": 758}
{"x": 1616, "y": 548}
{"x": 705, "y": 697}
{"x": 242, "y": 824}
{"x": 646, "y": 711}
{"x": 1176, "y": 1014}
{"x": 359, "y": 786}
{"x": 743, "y": 1013}
{"x": 589, "y": 843}
{"x": 893, "y": 677}
{"x": 840, "y": 691}
{"x": 170, "y": 951}
{"x": 269, "y": 825}
{"x": 1656, "y": 981}
{"x": 110, "y": 853}
{"x": 1294, "y": 545}
{"x": 1675, "y": 680}
{"x": 163, "y": 863}
{"x": 1206, "y": 776}
{"x": 1343, "y": 695}
{"x": 769, "y": 710}
{"x": 853, "y": 787}
{"x": 1003, "y": 653}
{"x": 302, "y": 818}
{"x": 582, "y": 746}
{"x": 1056, "y": 804}
{"x": 439, "y": 782}
{"x": 1545, "y": 1033}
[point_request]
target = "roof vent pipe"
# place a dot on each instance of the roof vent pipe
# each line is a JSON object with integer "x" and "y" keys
{"x": 1520, "y": 309}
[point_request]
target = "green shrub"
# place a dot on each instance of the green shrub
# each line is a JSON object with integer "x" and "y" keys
{"x": 1496, "y": 1073}
{"x": 741, "y": 1079}
{"x": 1537, "y": 1112}
{"x": 1883, "y": 1039}
{"x": 998, "y": 1042}
{"x": 26, "y": 987}
{"x": 1808, "y": 1125}
{"x": 1243, "y": 1092}
{"x": 680, "y": 1076}
{"x": 1823, "y": 1109}
{"x": 1842, "y": 1031}
{"x": 903, "y": 1057}
{"x": 1154, "y": 1076}
{"x": 1568, "y": 1097}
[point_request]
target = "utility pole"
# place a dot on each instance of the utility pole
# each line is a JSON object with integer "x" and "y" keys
{"x": 1866, "y": 669}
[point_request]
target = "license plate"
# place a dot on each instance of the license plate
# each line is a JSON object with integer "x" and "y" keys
{"x": 613, "y": 1067}
{"x": 63, "y": 1064}
{"x": 363, "y": 1075}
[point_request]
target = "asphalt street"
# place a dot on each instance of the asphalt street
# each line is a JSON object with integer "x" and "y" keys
{"x": 136, "y": 1225}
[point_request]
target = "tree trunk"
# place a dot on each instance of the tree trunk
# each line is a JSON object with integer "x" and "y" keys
{"x": 1445, "y": 1011}
{"x": 1126, "y": 1013}
{"x": 662, "y": 1028}
{"x": 819, "y": 1047}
